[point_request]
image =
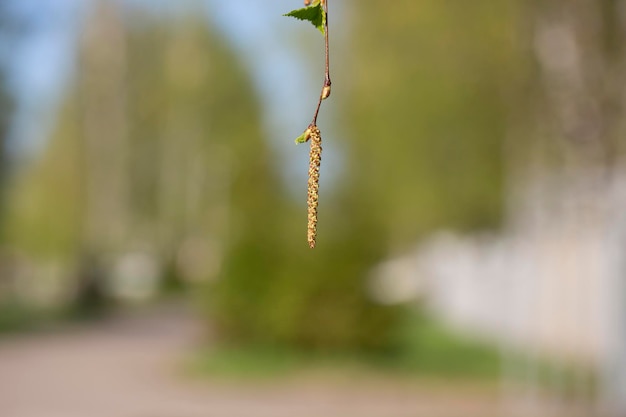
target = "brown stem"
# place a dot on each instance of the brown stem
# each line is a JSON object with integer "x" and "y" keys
{"x": 326, "y": 87}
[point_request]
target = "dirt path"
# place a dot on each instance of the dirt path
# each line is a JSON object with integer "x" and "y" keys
{"x": 130, "y": 368}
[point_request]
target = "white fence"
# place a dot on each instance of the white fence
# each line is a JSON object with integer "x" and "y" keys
{"x": 552, "y": 284}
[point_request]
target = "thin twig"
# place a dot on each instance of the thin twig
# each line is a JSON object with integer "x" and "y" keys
{"x": 326, "y": 87}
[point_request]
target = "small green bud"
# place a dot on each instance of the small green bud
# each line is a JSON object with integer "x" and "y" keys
{"x": 303, "y": 138}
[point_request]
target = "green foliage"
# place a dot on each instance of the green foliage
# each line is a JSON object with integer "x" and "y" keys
{"x": 426, "y": 113}
{"x": 46, "y": 198}
{"x": 277, "y": 291}
{"x": 314, "y": 13}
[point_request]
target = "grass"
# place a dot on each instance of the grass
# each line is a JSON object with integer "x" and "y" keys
{"x": 15, "y": 317}
{"x": 426, "y": 348}
{"x": 429, "y": 347}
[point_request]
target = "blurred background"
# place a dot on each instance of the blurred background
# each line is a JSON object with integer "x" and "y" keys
{"x": 472, "y": 230}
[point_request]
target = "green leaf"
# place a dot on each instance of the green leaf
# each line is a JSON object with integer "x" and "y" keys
{"x": 314, "y": 13}
{"x": 304, "y": 137}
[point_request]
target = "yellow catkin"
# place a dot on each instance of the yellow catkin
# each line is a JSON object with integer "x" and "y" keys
{"x": 315, "y": 159}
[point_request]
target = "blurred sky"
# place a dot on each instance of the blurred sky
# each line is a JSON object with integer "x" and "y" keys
{"x": 39, "y": 58}
{"x": 41, "y": 65}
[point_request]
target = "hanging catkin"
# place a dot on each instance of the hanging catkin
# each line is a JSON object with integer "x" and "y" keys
{"x": 316, "y": 12}
{"x": 315, "y": 158}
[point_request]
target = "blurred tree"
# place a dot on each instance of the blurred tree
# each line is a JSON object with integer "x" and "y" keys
{"x": 579, "y": 73}
{"x": 160, "y": 149}
{"x": 104, "y": 126}
{"x": 216, "y": 177}
{"x": 7, "y": 33}
{"x": 129, "y": 167}
{"x": 426, "y": 110}
{"x": 5, "y": 115}
{"x": 5, "y": 112}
